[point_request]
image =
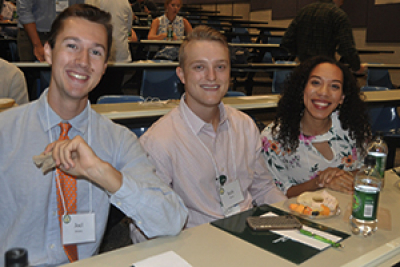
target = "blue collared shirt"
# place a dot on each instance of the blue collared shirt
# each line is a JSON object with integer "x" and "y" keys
{"x": 28, "y": 200}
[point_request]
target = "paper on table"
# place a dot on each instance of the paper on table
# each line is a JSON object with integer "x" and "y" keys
{"x": 166, "y": 259}
{"x": 297, "y": 236}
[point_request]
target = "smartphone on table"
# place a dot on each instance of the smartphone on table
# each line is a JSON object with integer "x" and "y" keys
{"x": 282, "y": 222}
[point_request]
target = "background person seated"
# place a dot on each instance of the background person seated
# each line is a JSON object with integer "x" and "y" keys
{"x": 320, "y": 130}
{"x": 12, "y": 83}
{"x": 159, "y": 29}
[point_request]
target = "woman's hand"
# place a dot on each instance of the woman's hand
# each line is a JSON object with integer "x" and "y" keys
{"x": 336, "y": 179}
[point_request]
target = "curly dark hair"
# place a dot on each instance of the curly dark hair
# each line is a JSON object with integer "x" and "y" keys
{"x": 353, "y": 115}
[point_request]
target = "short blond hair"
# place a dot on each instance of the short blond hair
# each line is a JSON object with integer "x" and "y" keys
{"x": 201, "y": 33}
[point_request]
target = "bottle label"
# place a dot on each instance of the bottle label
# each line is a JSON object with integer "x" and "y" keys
{"x": 170, "y": 33}
{"x": 365, "y": 202}
{"x": 380, "y": 164}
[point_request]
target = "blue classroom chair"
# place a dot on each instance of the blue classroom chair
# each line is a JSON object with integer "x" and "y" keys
{"x": 113, "y": 99}
{"x": 279, "y": 77}
{"x": 385, "y": 119}
{"x": 160, "y": 83}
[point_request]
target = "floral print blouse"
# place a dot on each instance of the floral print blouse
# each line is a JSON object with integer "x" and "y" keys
{"x": 290, "y": 168}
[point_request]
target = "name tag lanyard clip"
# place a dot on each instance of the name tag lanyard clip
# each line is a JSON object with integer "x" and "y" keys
{"x": 220, "y": 178}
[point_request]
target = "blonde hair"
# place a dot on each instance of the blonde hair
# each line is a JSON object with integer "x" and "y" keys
{"x": 201, "y": 33}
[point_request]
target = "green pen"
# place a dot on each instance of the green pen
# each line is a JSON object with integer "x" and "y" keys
{"x": 320, "y": 238}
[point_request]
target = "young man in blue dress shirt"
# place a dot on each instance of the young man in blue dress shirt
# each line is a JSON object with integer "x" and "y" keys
{"x": 106, "y": 159}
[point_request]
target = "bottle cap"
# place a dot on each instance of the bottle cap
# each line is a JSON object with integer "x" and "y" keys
{"x": 16, "y": 257}
{"x": 370, "y": 160}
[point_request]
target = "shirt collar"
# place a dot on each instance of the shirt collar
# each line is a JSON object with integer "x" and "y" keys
{"x": 79, "y": 123}
{"x": 195, "y": 120}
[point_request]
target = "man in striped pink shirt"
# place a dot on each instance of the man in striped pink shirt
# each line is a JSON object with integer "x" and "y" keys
{"x": 209, "y": 153}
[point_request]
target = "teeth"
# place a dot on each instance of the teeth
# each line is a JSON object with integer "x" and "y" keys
{"x": 210, "y": 87}
{"x": 77, "y": 76}
{"x": 321, "y": 104}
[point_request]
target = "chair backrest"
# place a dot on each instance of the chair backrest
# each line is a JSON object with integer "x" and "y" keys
{"x": 161, "y": 83}
{"x": 241, "y": 38}
{"x": 379, "y": 77}
{"x": 274, "y": 39}
{"x": 279, "y": 77}
{"x": 382, "y": 118}
{"x": 112, "y": 99}
{"x": 234, "y": 93}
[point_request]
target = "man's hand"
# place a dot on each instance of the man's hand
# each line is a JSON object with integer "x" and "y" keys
{"x": 73, "y": 156}
{"x": 76, "y": 158}
{"x": 38, "y": 50}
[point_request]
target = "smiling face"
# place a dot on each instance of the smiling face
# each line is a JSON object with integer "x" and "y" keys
{"x": 173, "y": 8}
{"x": 323, "y": 92}
{"x": 78, "y": 60}
{"x": 205, "y": 74}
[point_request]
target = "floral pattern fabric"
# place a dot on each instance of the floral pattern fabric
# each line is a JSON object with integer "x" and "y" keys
{"x": 170, "y": 52}
{"x": 290, "y": 168}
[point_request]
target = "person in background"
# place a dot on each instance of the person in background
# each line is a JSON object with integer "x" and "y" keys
{"x": 59, "y": 213}
{"x": 159, "y": 28}
{"x": 320, "y": 130}
{"x": 322, "y": 28}
{"x": 209, "y": 153}
{"x": 7, "y": 14}
{"x": 34, "y": 21}
{"x": 13, "y": 84}
{"x": 146, "y": 6}
{"x": 7, "y": 11}
{"x": 122, "y": 16}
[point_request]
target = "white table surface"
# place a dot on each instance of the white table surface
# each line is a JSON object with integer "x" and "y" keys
{"x": 244, "y": 103}
{"x": 206, "y": 245}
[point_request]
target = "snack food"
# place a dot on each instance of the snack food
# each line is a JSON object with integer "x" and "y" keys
{"x": 6, "y": 103}
{"x": 315, "y": 204}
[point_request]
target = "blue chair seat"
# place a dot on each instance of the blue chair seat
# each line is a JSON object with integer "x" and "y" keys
{"x": 279, "y": 77}
{"x": 113, "y": 99}
{"x": 385, "y": 119}
{"x": 160, "y": 83}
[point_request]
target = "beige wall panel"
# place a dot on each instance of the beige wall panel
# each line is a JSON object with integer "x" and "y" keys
{"x": 225, "y": 9}
{"x": 242, "y": 9}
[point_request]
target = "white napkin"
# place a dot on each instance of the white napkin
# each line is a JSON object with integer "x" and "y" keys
{"x": 307, "y": 240}
{"x": 166, "y": 259}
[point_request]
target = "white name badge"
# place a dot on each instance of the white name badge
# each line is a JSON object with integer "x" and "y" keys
{"x": 232, "y": 210}
{"x": 61, "y": 5}
{"x": 78, "y": 228}
{"x": 231, "y": 194}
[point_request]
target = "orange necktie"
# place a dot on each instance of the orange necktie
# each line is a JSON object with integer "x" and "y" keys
{"x": 68, "y": 189}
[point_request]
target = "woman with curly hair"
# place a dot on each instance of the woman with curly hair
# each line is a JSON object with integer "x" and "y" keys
{"x": 320, "y": 130}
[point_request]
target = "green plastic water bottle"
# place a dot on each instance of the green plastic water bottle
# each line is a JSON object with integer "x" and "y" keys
{"x": 379, "y": 150}
{"x": 170, "y": 32}
{"x": 367, "y": 187}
